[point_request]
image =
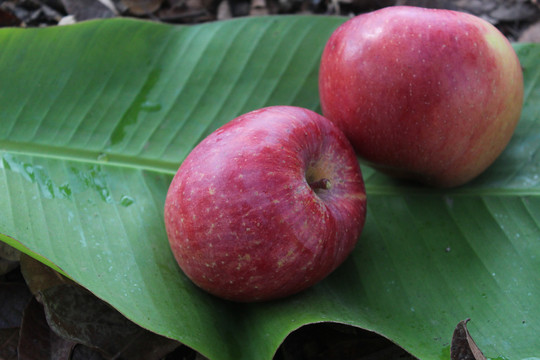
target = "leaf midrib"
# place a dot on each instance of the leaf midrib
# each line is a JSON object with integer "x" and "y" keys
{"x": 466, "y": 191}
{"x": 170, "y": 168}
{"x": 89, "y": 156}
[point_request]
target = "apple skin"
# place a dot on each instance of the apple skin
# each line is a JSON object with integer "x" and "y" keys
{"x": 266, "y": 206}
{"x": 423, "y": 94}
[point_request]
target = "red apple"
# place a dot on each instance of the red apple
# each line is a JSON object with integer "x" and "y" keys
{"x": 425, "y": 94}
{"x": 266, "y": 206}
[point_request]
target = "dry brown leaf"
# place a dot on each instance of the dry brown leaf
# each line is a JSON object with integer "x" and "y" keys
{"x": 38, "y": 276}
{"x": 258, "y": 8}
{"x": 463, "y": 346}
{"x": 224, "y": 11}
{"x": 37, "y": 341}
{"x": 13, "y": 300}
{"x": 9, "y": 253}
{"x": 7, "y": 18}
{"x": 9, "y": 258}
{"x": 531, "y": 34}
{"x": 8, "y": 343}
{"x": 142, "y": 7}
{"x": 87, "y": 9}
{"x": 76, "y": 314}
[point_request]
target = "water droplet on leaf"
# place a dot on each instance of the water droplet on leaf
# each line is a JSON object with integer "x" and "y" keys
{"x": 126, "y": 200}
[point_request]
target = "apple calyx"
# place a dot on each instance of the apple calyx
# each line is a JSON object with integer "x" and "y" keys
{"x": 317, "y": 176}
{"x": 321, "y": 184}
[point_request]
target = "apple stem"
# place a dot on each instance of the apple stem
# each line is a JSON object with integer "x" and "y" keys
{"x": 320, "y": 184}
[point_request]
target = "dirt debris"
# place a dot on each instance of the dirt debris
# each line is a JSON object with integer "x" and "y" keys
{"x": 512, "y": 17}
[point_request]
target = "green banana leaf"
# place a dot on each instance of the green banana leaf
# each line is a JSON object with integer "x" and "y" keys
{"x": 95, "y": 119}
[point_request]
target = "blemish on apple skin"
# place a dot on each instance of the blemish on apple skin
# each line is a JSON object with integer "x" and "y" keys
{"x": 287, "y": 258}
{"x": 210, "y": 230}
{"x": 244, "y": 258}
